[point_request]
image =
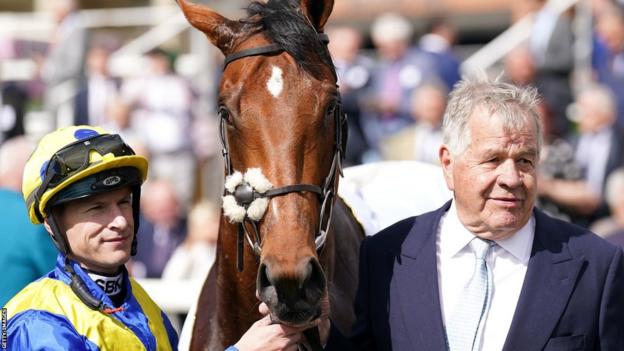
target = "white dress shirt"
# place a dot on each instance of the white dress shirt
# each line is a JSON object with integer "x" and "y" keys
{"x": 508, "y": 261}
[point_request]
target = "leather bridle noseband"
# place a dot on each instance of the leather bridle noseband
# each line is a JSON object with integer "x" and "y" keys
{"x": 245, "y": 194}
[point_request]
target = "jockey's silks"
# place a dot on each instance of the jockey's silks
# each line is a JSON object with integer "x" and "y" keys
{"x": 48, "y": 315}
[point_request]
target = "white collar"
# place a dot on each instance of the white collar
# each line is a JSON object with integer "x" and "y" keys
{"x": 454, "y": 237}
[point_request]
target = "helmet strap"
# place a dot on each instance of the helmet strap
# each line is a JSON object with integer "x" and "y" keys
{"x": 80, "y": 289}
{"x": 58, "y": 237}
{"x": 136, "y": 214}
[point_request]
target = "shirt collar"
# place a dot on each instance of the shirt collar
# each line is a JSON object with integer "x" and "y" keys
{"x": 455, "y": 237}
{"x": 521, "y": 243}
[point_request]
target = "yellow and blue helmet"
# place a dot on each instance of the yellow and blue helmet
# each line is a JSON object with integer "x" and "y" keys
{"x": 76, "y": 162}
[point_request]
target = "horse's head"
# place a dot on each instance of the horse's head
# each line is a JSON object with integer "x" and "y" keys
{"x": 280, "y": 118}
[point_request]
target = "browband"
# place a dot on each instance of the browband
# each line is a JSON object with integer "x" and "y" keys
{"x": 271, "y": 49}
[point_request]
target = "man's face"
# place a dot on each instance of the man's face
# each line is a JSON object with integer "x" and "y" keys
{"x": 494, "y": 180}
{"x": 100, "y": 229}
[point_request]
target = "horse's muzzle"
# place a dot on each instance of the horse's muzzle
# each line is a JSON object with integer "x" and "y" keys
{"x": 294, "y": 298}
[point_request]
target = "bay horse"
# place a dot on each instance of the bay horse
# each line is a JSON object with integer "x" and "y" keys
{"x": 283, "y": 136}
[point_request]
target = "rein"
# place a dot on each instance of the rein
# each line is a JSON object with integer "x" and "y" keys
{"x": 245, "y": 194}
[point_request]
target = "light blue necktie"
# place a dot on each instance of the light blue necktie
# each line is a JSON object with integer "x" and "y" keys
{"x": 466, "y": 324}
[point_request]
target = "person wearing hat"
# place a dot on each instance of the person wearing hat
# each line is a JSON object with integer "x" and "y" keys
{"x": 84, "y": 185}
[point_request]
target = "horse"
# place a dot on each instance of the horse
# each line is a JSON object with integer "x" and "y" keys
{"x": 285, "y": 238}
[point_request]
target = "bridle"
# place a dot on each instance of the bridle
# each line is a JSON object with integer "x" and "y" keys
{"x": 326, "y": 192}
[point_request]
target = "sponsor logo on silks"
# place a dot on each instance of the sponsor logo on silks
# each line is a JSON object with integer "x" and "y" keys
{"x": 112, "y": 180}
{"x": 110, "y": 285}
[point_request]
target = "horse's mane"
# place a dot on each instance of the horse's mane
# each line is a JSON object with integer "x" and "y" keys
{"x": 285, "y": 25}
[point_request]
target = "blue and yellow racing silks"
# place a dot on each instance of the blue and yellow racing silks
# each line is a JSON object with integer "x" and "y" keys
{"x": 47, "y": 315}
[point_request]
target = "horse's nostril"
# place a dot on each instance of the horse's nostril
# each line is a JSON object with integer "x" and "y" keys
{"x": 263, "y": 279}
{"x": 314, "y": 282}
{"x": 306, "y": 286}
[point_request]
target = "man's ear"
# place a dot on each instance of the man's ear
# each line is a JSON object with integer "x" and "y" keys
{"x": 447, "y": 163}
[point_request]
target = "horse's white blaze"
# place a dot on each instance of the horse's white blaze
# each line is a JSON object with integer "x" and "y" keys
{"x": 275, "y": 84}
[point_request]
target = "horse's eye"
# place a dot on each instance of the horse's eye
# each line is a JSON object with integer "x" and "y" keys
{"x": 331, "y": 109}
{"x": 224, "y": 114}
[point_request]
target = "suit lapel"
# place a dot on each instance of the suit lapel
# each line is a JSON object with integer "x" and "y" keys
{"x": 548, "y": 283}
{"x": 416, "y": 280}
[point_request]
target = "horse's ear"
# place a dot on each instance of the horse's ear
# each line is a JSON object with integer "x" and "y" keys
{"x": 317, "y": 11}
{"x": 219, "y": 30}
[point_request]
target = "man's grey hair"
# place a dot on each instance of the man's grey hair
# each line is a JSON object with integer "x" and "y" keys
{"x": 514, "y": 105}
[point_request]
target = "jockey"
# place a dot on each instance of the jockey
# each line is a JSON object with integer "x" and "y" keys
{"x": 84, "y": 185}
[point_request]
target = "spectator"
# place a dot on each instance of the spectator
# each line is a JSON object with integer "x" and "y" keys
{"x": 354, "y": 77}
{"x": 520, "y": 70}
{"x": 608, "y": 56}
{"x": 64, "y": 62}
{"x": 26, "y": 251}
{"x": 614, "y": 195}
{"x": 97, "y": 90}
{"x": 399, "y": 71}
{"x": 13, "y": 99}
{"x": 13, "y": 96}
{"x": 161, "y": 104}
{"x": 520, "y": 67}
{"x": 557, "y": 161}
{"x": 118, "y": 120}
{"x": 162, "y": 229}
{"x": 193, "y": 258}
{"x": 598, "y": 150}
{"x": 551, "y": 44}
{"x": 421, "y": 140}
{"x": 438, "y": 42}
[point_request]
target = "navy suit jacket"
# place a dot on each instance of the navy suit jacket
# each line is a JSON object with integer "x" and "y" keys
{"x": 572, "y": 297}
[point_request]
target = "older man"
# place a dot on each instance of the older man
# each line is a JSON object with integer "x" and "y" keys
{"x": 488, "y": 271}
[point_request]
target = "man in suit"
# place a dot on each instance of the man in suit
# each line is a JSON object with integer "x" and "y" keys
{"x": 537, "y": 284}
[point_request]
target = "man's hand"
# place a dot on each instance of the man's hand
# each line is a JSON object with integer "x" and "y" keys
{"x": 270, "y": 337}
{"x": 263, "y": 335}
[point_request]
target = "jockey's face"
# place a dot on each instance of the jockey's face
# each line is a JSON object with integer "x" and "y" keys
{"x": 100, "y": 229}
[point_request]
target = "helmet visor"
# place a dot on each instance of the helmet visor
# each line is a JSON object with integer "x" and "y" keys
{"x": 74, "y": 158}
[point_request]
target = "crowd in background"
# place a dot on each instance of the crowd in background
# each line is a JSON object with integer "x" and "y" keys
{"x": 394, "y": 94}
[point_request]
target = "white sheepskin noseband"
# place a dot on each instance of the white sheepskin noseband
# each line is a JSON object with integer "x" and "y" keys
{"x": 235, "y": 211}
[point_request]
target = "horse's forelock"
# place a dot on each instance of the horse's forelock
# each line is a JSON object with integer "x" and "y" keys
{"x": 285, "y": 25}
